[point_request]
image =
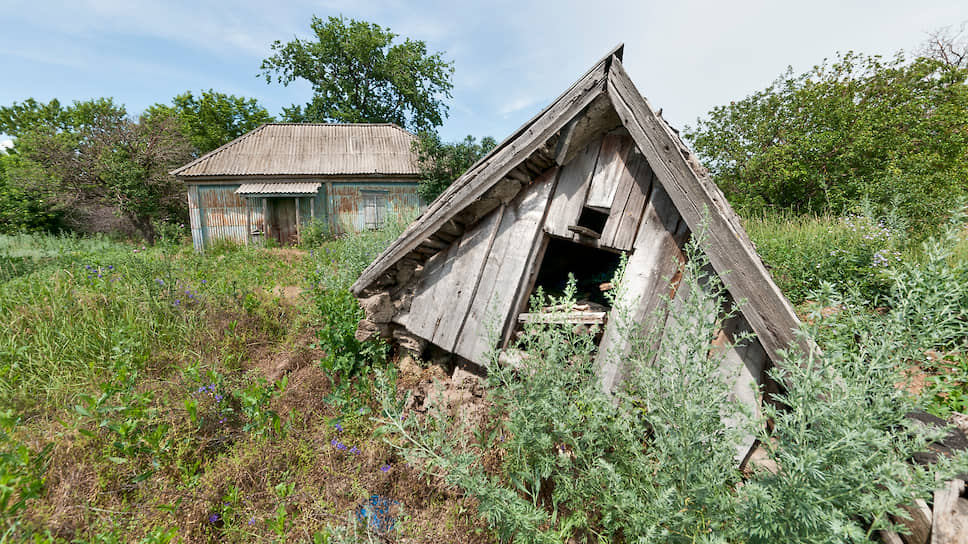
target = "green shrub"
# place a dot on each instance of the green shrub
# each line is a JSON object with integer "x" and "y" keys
{"x": 316, "y": 233}
{"x": 336, "y": 265}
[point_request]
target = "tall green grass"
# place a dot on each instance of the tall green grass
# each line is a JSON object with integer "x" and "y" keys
{"x": 79, "y": 308}
{"x": 802, "y": 252}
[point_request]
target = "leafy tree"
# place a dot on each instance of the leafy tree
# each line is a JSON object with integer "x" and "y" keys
{"x": 359, "y": 75}
{"x": 891, "y": 132}
{"x": 22, "y": 116}
{"x": 214, "y": 119}
{"x": 93, "y": 152}
{"x": 441, "y": 163}
{"x": 22, "y": 210}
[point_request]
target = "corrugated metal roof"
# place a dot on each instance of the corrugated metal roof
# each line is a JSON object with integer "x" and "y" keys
{"x": 278, "y": 188}
{"x": 279, "y": 149}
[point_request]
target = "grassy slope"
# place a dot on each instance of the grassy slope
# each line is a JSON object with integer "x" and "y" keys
{"x": 182, "y": 399}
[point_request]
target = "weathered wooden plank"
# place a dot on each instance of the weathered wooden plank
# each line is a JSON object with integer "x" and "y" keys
{"x": 597, "y": 119}
{"x": 742, "y": 364}
{"x": 566, "y": 204}
{"x": 626, "y": 213}
{"x": 479, "y": 178}
{"x": 702, "y": 205}
{"x": 889, "y": 537}
{"x": 950, "y": 514}
{"x": 430, "y": 296}
{"x": 584, "y": 232}
{"x": 579, "y": 318}
{"x": 461, "y": 283}
{"x": 504, "y": 272}
{"x": 523, "y": 296}
{"x": 918, "y": 523}
{"x": 609, "y": 171}
{"x": 654, "y": 262}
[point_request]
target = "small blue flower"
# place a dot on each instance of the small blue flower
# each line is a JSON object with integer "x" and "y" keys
{"x": 339, "y": 428}
{"x": 385, "y": 468}
{"x": 251, "y": 521}
{"x": 354, "y": 450}
{"x": 213, "y": 518}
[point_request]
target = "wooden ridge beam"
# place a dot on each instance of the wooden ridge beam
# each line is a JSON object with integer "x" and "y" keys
{"x": 478, "y": 179}
{"x": 704, "y": 207}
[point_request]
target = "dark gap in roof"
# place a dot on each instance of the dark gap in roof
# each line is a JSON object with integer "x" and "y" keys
{"x": 592, "y": 268}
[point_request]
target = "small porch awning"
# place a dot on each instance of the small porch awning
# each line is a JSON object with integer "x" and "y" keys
{"x": 278, "y": 189}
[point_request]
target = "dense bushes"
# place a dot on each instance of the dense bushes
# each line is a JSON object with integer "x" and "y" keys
{"x": 891, "y": 131}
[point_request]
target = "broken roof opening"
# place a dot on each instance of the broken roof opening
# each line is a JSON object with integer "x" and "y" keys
{"x": 593, "y": 270}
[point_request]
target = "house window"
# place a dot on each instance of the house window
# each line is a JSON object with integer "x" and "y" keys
{"x": 374, "y": 209}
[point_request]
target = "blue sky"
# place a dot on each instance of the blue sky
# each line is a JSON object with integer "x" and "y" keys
{"x": 511, "y": 57}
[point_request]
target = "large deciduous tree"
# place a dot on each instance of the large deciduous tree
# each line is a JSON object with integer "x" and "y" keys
{"x": 92, "y": 152}
{"x": 440, "y": 163}
{"x": 359, "y": 75}
{"x": 891, "y": 132}
{"x": 213, "y": 119}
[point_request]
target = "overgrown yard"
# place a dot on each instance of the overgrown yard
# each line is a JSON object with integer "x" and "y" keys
{"x": 159, "y": 395}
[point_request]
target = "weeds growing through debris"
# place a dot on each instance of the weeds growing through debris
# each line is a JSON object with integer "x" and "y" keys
{"x": 657, "y": 463}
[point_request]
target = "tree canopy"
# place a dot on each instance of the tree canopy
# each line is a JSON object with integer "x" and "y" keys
{"x": 359, "y": 75}
{"x": 92, "y": 152}
{"x": 441, "y": 163}
{"x": 213, "y": 119}
{"x": 891, "y": 132}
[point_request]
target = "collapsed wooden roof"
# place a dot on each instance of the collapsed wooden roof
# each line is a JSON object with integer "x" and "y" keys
{"x": 308, "y": 149}
{"x": 600, "y": 101}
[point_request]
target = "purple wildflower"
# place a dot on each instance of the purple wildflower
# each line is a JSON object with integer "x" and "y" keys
{"x": 385, "y": 468}
{"x": 213, "y": 518}
{"x": 339, "y": 428}
{"x": 251, "y": 521}
{"x": 218, "y": 398}
{"x": 354, "y": 450}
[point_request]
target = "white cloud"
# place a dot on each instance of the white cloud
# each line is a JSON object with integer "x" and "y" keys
{"x": 5, "y": 145}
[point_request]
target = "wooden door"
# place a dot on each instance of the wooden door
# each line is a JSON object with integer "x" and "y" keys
{"x": 282, "y": 221}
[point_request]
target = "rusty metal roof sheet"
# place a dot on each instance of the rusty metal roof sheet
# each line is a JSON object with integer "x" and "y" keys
{"x": 278, "y": 188}
{"x": 280, "y": 149}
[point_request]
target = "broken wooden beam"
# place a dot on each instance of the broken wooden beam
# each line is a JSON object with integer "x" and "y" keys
{"x": 574, "y": 318}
